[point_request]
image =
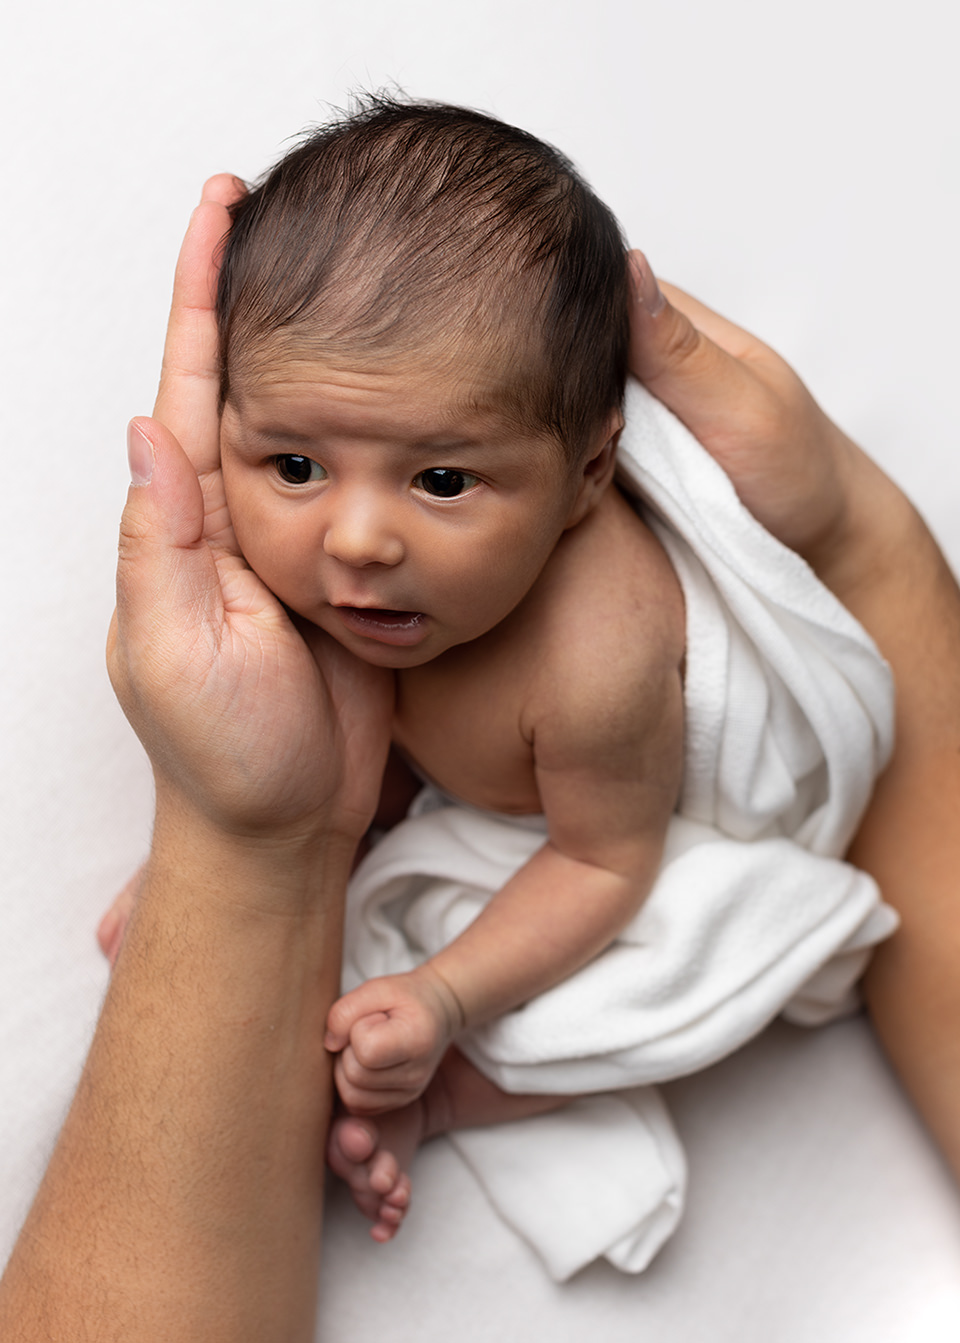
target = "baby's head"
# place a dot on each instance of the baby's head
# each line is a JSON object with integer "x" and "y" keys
{"x": 423, "y": 323}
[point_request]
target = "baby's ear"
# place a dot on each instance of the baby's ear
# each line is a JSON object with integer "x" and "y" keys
{"x": 596, "y": 473}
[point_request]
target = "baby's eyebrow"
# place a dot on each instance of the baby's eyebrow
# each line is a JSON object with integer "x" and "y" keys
{"x": 448, "y": 443}
{"x": 283, "y": 436}
{"x": 432, "y": 442}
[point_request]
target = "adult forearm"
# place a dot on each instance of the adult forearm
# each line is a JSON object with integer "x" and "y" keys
{"x": 183, "y": 1199}
{"x": 895, "y": 580}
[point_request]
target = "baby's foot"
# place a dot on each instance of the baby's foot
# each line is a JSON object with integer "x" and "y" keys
{"x": 113, "y": 925}
{"x": 371, "y": 1156}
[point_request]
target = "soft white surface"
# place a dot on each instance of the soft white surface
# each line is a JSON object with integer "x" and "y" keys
{"x": 796, "y": 165}
{"x": 816, "y": 1214}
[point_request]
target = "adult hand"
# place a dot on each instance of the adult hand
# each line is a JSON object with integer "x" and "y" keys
{"x": 256, "y": 723}
{"x": 815, "y": 490}
{"x": 790, "y": 464}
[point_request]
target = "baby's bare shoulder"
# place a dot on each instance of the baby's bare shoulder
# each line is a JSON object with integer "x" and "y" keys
{"x": 605, "y": 707}
{"x": 612, "y": 625}
{"x": 605, "y": 720}
{"x": 581, "y": 681}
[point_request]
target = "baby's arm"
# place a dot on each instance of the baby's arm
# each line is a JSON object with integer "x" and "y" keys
{"x": 607, "y": 744}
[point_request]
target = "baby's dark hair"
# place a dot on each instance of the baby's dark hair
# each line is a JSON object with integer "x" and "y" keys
{"x": 406, "y": 225}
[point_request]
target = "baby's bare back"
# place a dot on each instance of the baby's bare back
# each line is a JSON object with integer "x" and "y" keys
{"x": 598, "y": 634}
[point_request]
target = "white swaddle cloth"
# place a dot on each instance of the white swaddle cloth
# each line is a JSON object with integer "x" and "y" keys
{"x": 788, "y": 719}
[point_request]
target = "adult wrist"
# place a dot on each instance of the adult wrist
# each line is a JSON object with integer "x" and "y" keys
{"x": 291, "y": 866}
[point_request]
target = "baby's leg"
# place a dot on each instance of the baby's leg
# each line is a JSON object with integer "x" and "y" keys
{"x": 113, "y": 925}
{"x": 373, "y": 1154}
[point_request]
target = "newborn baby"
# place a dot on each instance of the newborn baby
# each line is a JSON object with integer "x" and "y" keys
{"x": 423, "y": 317}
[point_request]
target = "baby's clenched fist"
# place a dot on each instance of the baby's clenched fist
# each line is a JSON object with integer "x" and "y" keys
{"x": 389, "y": 1035}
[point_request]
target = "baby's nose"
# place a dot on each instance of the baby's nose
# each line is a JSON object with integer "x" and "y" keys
{"x": 361, "y": 532}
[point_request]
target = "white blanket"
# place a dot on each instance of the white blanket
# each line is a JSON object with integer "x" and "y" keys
{"x": 788, "y": 719}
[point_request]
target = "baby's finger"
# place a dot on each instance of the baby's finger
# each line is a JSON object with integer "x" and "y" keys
{"x": 373, "y": 1096}
{"x": 336, "y": 1036}
{"x": 367, "y": 999}
{"x": 380, "y": 1041}
{"x": 361, "y": 1075}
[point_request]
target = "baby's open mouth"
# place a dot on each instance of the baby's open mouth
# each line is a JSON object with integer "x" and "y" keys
{"x": 382, "y": 615}
{"x": 376, "y": 622}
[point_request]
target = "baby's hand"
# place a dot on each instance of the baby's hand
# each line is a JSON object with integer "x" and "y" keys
{"x": 389, "y": 1035}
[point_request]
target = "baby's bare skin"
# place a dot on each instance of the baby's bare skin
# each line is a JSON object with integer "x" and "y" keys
{"x": 605, "y": 616}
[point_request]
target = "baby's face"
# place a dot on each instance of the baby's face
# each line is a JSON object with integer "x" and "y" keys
{"x": 393, "y": 507}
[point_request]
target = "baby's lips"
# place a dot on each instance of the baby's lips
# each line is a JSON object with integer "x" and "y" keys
{"x": 390, "y": 613}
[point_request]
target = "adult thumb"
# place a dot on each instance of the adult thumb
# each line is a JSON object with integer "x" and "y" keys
{"x": 688, "y": 356}
{"x": 166, "y": 574}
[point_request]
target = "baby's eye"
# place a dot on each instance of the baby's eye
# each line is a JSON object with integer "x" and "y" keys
{"x": 297, "y": 470}
{"x": 444, "y": 483}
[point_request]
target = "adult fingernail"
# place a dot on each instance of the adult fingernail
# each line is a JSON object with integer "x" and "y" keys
{"x": 645, "y": 285}
{"x": 139, "y": 455}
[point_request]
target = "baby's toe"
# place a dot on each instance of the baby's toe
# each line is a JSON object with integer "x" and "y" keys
{"x": 355, "y": 1138}
{"x": 384, "y": 1173}
{"x": 350, "y": 1147}
{"x": 398, "y": 1198}
{"x": 113, "y": 925}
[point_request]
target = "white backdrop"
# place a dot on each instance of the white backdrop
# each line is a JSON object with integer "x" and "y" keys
{"x": 794, "y": 165}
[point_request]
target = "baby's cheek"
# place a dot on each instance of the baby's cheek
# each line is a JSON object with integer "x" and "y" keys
{"x": 250, "y": 536}
{"x": 262, "y": 543}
